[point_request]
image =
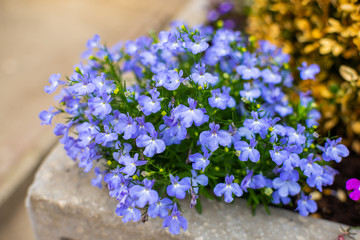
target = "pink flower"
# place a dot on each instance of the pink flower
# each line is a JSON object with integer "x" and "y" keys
{"x": 354, "y": 184}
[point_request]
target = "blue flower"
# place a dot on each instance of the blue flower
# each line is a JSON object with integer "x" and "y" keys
{"x": 114, "y": 178}
{"x": 83, "y": 85}
{"x": 151, "y": 143}
{"x": 278, "y": 155}
{"x": 86, "y": 163}
{"x": 312, "y": 118}
{"x": 160, "y": 78}
{"x": 196, "y": 180}
{"x": 248, "y": 151}
{"x": 333, "y": 150}
{"x": 306, "y": 99}
{"x": 276, "y": 130}
{"x": 259, "y": 181}
{"x": 256, "y": 125}
{"x": 91, "y": 44}
{"x": 308, "y": 72}
{"x": 126, "y": 125}
{"x": 121, "y": 193}
{"x": 147, "y": 58}
{"x": 212, "y": 15}
{"x": 94, "y": 42}
{"x": 272, "y": 95}
{"x": 283, "y": 109}
{"x": 250, "y": 93}
{"x": 160, "y": 208}
{"x": 47, "y": 116}
{"x": 54, "y": 80}
{"x": 201, "y": 77}
{"x": 305, "y": 205}
{"x": 144, "y": 127}
{"x": 199, "y": 45}
{"x": 247, "y": 70}
{"x": 131, "y": 48}
{"x": 309, "y": 167}
{"x": 172, "y": 132}
{"x": 219, "y": 99}
{"x": 266, "y": 47}
{"x": 227, "y": 189}
{"x": 319, "y": 181}
{"x": 190, "y": 115}
{"x": 99, "y": 175}
{"x": 103, "y": 85}
{"x": 292, "y": 161}
{"x": 248, "y": 73}
{"x": 287, "y": 183}
{"x": 270, "y": 77}
{"x": 214, "y": 53}
{"x": 123, "y": 151}
{"x": 150, "y": 105}
{"x": 245, "y": 132}
{"x": 211, "y": 139}
{"x": 131, "y": 164}
{"x": 100, "y": 106}
{"x": 200, "y": 162}
{"x": 175, "y": 221}
{"x": 245, "y": 183}
{"x": 90, "y": 127}
{"x": 226, "y": 91}
{"x": 194, "y": 197}
{"x": 174, "y": 44}
{"x": 277, "y": 199}
{"x": 178, "y": 188}
{"x": 107, "y": 136}
{"x": 129, "y": 212}
{"x": 173, "y": 80}
{"x": 163, "y": 38}
{"x": 296, "y": 137}
{"x": 144, "y": 195}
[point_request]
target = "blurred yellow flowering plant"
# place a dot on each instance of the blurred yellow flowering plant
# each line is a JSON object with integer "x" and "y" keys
{"x": 326, "y": 32}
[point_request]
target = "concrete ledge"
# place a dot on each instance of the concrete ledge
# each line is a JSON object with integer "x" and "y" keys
{"x": 64, "y": 205}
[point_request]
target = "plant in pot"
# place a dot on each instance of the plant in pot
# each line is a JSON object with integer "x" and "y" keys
{"x": 212, "y": 114}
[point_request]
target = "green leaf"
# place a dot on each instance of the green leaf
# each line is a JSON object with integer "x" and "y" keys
{"x": 198, "y": 206}
{"x": 206, "y": 193}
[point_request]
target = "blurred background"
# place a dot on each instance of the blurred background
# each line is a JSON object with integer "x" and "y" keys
{"x": 39, "y": 38}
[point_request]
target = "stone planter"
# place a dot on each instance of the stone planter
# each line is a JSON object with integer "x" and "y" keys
{"x": 63, "y": 205}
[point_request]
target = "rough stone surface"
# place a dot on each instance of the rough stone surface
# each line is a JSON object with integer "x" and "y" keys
{"x": 63, "y": 205}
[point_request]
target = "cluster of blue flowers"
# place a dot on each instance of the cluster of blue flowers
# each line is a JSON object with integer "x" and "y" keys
{"x": 212, "y": 112}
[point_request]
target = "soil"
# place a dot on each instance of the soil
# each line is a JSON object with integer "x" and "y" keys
{"x": 330, "y": 206}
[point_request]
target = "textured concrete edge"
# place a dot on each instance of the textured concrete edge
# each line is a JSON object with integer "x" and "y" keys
{"x": 76, "y": 217}
{"x": 31, "y": 197}
{"x": 71, "y": 218}
{"x": 75, "y": 222}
